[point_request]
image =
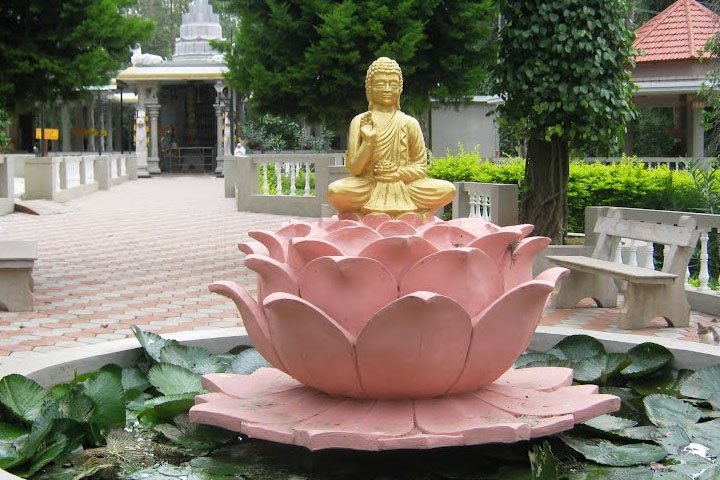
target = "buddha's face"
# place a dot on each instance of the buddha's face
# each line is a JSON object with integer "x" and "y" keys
{"x": 385, "y": 89}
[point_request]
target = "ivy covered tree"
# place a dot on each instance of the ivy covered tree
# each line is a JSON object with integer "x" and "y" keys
{"x": 51, "y": 49}
{"x": 563, "y": 72}
{"x": 309, "y": 58}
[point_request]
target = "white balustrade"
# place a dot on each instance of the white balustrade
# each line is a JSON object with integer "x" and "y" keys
{"x": 72, "y": 171}
{"x": 123, "y": 165}
{"x": 278, "y": 179}
{"x": 89, "y": 172}
{"x": 307, "y": 180}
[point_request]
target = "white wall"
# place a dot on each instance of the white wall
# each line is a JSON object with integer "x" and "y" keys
{"x": 465, "y": 124}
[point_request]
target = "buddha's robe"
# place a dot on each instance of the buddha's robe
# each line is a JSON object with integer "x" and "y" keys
{"x": 400, "y": 143}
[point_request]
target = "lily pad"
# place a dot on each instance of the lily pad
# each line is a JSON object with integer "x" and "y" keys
{"x": 24, "y": 397}
{"x": 172, "y": 379}
{"x": 247, "y": 361}
{"x": 577, "y": 347}
{"x": 161, "y": 409}
{"x": 667, "y": 411}
{"x": 667, "y": 381}
{"x": 609, "y": 423}
{"x": 703, "y": 384}
{"x": 608, "y": 453}
{"x": 106, "y": 393}
{"x": 195, "y": 359}
{"x": 152, "y": 343}
{"x": 599, "y": 472}
{"x": 134, "y": 382}
{"x": 646, "y": 359}
{"x": 599, "y": 368}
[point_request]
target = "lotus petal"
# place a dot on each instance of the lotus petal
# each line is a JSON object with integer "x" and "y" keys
{"x": 394, "y": 228}
{"x": 525, "y": 229}
{"x": 254, "y": 320}
{"x": 478, "y": 421}
{"x": 553, "y": 275}
{"x": 348, "y": 289}
{"x": 516, "y": 266}
{"x": 356, "y": 424}
{"x": 352, "y": 239}
{"x": 349, "y": 216}
{"x": 374, "y": 220}
{"x": 304, "y": 250}
{"x": 276, "y": 245}
{"x": 496, "y": 244}
{"x": 265, "y": 381}
{"x": 544, "y": 379}
{"x": 415, "y": 347}
{"x": 414, "y": 220}
{"x": 256, "y": 248}
{"x": 274, "y": 276}
{"x": 447, "y": 236}
{"x": 398, "y": 254}
{"x": 318, "y": 352}
{"x": 338, "y": 224}
{"x": 476, "y": 226}
{"x": 501, "y": 333}
{"x": 467, "y": 275}
{"x": 294, "y": 229}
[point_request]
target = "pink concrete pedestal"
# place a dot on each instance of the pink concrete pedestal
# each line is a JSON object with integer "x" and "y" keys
{"x": 521, "y": 404}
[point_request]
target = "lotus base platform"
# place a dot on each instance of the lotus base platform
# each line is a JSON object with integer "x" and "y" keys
{"x": 521, "y": 404}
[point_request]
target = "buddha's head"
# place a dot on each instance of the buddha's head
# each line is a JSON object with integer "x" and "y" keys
{"x": 383, "y": 82}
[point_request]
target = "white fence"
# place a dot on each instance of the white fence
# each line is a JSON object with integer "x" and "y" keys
{"x": 62, "y": 177}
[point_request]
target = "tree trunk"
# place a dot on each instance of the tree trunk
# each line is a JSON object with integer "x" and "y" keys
{"x": 543, "y": 200}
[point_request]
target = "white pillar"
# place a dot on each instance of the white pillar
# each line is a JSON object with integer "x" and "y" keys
{"x": 141, "y": 143}
{"x": 109, "y": 144}
{"x": 154, "y": 159}
{"x": 219, "y": 158}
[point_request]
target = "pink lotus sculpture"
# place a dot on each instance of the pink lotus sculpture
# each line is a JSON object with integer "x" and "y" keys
{"x": 386, "y": 310}
{"x": 393, "y": 308}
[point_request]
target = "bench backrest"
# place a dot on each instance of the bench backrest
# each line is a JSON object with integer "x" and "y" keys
{"x": 681, "y": 238}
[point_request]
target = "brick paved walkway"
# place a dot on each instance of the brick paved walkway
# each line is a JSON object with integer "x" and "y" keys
{"x": 143, "y": 254}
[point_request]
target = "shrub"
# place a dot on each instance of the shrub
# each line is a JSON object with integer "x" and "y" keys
{"x": 628, "y": 183}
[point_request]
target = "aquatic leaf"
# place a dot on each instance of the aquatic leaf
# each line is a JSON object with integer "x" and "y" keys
{"x": 646, "y": 359}
{"x": 23, "y": 396}
{"x": 197, "y": 438}
{"x": 577, "y": 347}
{"x": 106, "y": 392}
{"x": 47, "y": 454}
{"x": 599, "y": 368}
{"x": 10, "y": 432}
{"x": 76, "y": 405}
{"x": 152, "y": 343}
{"x": 195, "y": 359}
{"x": 673, "y": 439}
{"x": 646, "y": 433}
{"x": 544, "y": 465}
{"x": 632, "y": 403}
{"x": 704, "y": 383}
{"x": 598, "y": 472}
{"x": 161, "y": 409}
{"x": 609, "y": 423}
{"x": 534, "y": 357}
{"x": 247, "y": 361}
{"x": 667, "y": 381}
{"x": 171, "y": 379}
{"x": 10, "y": 456}
{"x": 134, "y": 382}
{"x": 608, "y": 453}
{"x": 667, "y": 411}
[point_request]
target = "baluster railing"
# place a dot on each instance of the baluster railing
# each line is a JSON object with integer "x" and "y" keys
{"x": 307, "y": 179}
{"x": 704, "y": 271}
{"x": 265, "y": 188}
{"x": 293, "y": 174}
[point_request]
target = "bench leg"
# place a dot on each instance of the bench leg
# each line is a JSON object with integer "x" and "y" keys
{"x": 581, "y": 285}
{"x": 16, "y": 289}
{"x": 645, "y": 302}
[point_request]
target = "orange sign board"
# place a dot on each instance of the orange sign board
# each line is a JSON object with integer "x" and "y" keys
{"x": 50, "y": 134}
{"x": 93, "y": 132}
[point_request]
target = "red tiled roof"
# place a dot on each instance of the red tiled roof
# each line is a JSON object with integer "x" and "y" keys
{"x": 677, "y": 33}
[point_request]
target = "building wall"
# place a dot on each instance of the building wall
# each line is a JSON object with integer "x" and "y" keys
{"x": 468, "y": 125}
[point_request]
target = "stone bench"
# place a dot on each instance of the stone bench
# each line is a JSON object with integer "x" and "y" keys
{"x": 649, "y": 293}
{"x": 17, "y": 259}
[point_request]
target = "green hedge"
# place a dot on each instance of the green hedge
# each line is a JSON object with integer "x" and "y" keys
{"x": 626, "y": 184}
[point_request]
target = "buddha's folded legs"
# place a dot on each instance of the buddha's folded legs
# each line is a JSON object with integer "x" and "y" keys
{"x": 349, "y": 194}
{"x": 429, "y": 194}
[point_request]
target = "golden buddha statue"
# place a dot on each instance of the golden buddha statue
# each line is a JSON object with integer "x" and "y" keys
{"x": 386, "y": 155}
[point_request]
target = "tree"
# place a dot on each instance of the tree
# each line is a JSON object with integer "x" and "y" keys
{"x": 563, "y": 72}
{"x": 167, "y": 17}
{"x": 51, "y": 49}
{"x": 309, "y": 58}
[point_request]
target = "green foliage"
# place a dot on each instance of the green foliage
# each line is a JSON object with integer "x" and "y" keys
{"x": 167, "y": 17}
{"x": 52, "y": 50}
{"x": 309, "y": 58}
{"x": 272, "y": 133}
{"x": 574, "y": 81}
{"x": 650, "y": 135}
{"x": 4, "y": 137}
{"x": 628, "y": 183}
